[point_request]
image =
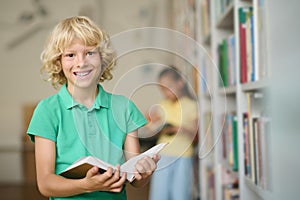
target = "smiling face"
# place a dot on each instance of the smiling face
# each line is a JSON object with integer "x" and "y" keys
{"x": 81, "y": 65}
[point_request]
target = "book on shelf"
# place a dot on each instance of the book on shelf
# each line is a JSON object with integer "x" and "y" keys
{"x": 230, "y": 141}
{"x": 251, "y": 138}
{"x": 223, "y": 63}
{"x": 235, "y": 166}
{"x": 231, "y": 60}
{"x": 256, "y": 134}
{"x": 249, "y": 43}
{"x": 80, "y": 167}
{"x": 253, "y": 47}
{"x": 264, "y": 178}
{"x": 230, "y": 185}
{"x": 261, "y": 39}
{"x": 255, "y": 67}
{"x": 210, "y": 182}
{"x": 243, "y": 50}
{"x": 248, "y": 68}
{"x": 246, "y": 145}
{"x": 231, "y": 192}
{"x": 261, "y": 132}
{"x": 256, "y": 149}
{"x": 227, "y": 66}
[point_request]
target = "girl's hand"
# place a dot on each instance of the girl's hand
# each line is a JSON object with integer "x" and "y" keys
{"x": 169, "y": 129}
{"x": 145, "y": 167}
{"x": 109, "y": 181}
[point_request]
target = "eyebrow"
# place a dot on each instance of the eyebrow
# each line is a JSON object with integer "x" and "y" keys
{"x": 86, "y": 49}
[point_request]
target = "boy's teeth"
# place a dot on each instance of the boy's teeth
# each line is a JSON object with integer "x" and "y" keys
{"x": 82, "y": 73}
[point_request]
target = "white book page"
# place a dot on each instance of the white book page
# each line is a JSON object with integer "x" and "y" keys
{"x": 129, "y": 165}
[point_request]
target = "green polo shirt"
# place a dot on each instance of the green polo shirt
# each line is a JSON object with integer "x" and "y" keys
{"x": 78, "y": 131}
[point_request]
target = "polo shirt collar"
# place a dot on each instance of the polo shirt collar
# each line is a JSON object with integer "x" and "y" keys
{"x": 102, "y": 99}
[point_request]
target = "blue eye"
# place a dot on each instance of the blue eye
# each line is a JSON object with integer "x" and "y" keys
{"x": 90, "y": 53}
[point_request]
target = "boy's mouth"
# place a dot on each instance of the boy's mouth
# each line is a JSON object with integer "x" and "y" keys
{"x": 82, "y": 74}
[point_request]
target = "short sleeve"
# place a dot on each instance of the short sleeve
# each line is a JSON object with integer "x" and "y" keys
{"x": 135, "y": 119}
{"x": 43, "y": 122}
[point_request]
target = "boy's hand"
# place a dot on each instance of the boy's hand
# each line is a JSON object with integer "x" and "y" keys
{"x": 109, "y": 181}
{"x": 145, "y": 167}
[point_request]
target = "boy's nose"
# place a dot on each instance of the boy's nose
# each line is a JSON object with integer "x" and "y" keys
{"x": 81, "y": 61}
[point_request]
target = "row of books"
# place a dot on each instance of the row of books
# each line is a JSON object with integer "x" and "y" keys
{"x": 226, "y": 60}
{"x": 230, "y": 186}
{"x": 230, "y": 141}
{"x": 231, "y": 192}
{"x": 210, "y": 183}
{"x": 253, "y": 66}
{"x": 256, "y": 134}
{"x": 252, "y": 44}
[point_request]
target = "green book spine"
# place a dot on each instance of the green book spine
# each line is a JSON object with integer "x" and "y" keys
{"x": 242, "y": 15}
{"x": 235, "y": 166}
{"x": 225, "y": 63}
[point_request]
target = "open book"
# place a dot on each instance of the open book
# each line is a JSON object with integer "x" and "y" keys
{"x": 79, "y": 168}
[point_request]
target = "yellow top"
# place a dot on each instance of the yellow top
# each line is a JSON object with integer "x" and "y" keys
{"x": 182, "y": 114}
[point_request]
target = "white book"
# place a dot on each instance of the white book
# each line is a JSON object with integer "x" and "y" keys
{"x": 79, "y": 168}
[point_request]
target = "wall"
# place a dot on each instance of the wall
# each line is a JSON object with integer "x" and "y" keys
{"x": 21, "y": 83}
{"x": 284, "y": 49}
{"x": 134, "y": 70}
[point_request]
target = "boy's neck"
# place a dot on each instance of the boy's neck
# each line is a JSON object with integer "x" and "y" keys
{"x": 84, "y": 96}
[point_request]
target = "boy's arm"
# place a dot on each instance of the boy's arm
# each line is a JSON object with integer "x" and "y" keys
{"x": 52, "y": 185}
{"x": 144, "y": 167}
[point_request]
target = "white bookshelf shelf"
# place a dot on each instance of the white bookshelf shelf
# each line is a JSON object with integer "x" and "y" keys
{"x": 262, "y": 193}
{"x": 230, "y": 90}
{"x": 258, "y": 85}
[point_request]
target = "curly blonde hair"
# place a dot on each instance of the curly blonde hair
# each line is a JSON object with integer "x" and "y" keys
{"x": 61, "y": 37}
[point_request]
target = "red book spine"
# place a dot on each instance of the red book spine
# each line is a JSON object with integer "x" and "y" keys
{"x": 243, "y": 53}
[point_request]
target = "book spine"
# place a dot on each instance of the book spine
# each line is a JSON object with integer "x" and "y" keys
{"x": 235, "y": 166}
{"x": 255, "y": 68}
{"x": 251, "y": 139}
{"x": 242, "y": 33}
{"x": 246, "y": 145}
{"x": 249, "y": 13}
{"x": 232, "y": 58}
{"x": 256, "y": 150}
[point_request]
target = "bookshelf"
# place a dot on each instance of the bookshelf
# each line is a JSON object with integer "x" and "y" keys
{"x": 233, "y": 94}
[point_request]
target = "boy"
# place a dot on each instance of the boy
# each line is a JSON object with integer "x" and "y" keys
{"x": 82, "y": 118}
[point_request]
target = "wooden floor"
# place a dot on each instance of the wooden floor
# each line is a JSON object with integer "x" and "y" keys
{"x": 20, "y": 192}
{"x": 30, "y": 191}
